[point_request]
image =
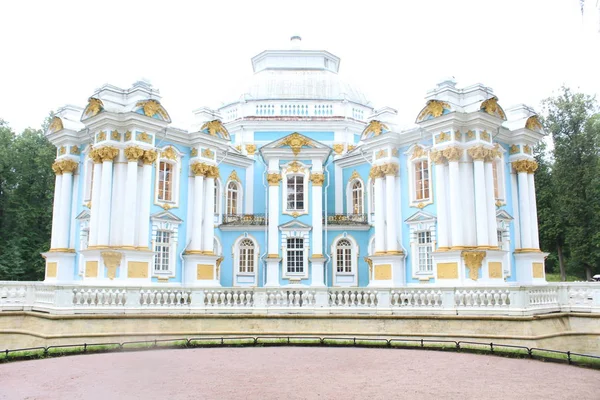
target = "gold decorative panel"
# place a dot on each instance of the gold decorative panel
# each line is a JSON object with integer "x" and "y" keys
{"x": 538, "y": 270}
{"x": 383, "y": 272}
{"x": 91, "y": 269}
{"x": 447, "y": 270}
{"x": 137, "y": 269}
{"x": 205, "y": 272}
{"x": 495, "y": 269}
{"x": 51, "y": 269}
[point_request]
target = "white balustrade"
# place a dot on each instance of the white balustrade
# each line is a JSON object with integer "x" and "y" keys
{"x": 353, "y": 298}
{"x": 580, "y": 296}
{"x": 11, "y": 295}
{"x": 482, "y": 298}
{"x": 229, "y": 298}
{"x": 291, "y": 298}
{"x": 164, "y": 297}
{"x": 44, "y": 295}
{"x": 99, "y": 297}
{"x": 417, "y": 298}
{"x": 543, "y": 297}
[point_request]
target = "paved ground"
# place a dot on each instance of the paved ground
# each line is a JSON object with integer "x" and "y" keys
{"x": 294, "y": 373}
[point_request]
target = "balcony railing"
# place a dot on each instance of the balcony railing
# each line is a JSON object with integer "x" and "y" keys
{"x": 347, "y": 219}
{"x": 244, "y": 219}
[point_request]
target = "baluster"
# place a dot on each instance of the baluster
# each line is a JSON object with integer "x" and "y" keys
{"x": 221, "y": 299}
{"x": 352, "y": 298}
{"x": 86, "y": 296}
{"x": 372, "y": 298}
{"x": 297, "y": 299}
{"x": 278, "y": 298}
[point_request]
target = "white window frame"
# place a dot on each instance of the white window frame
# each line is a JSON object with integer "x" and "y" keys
{"x": 295, "y": 232}
{"x": 302, "y": 171}
{"x": 163, "y": 222}
{"x": 237, "y": 255}
{"x": 412, "y": 162}
{"x": 371, "y": 249}
{"x": 354, "y": 254}
{"x": 176, "y": 164}
{"x": 421, "y": 222}
{"x": 350, "y": 196}
{"x": 240, "y": 196}
{"x": 429, "y": 253}
{"x": 503, "y": 221}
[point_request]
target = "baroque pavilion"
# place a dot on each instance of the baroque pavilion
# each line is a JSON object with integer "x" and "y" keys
{"x": 300, "y": 181}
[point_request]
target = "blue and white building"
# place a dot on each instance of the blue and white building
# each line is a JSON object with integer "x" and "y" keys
{"x": 298, "y": 182}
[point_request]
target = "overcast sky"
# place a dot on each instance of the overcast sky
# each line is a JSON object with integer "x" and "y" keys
{"x": 58, "y": 52}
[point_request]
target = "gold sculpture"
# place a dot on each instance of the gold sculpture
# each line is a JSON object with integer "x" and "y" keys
{"x": 473, "y": 260}
{"x": 533, "y": 123}
{"x": 127, "y": 136}
{"x": 375, "y": 127}
{"x": 296, "y": 141}
{"x": 143, "y": 137}
{"x": 234, "y": 176}
{"x": 418, "y": 152}
{"x": 133, "y": 153}
{"x": 485, "y": 136}
{"x": 338, "y": 148}
{"x": 149, "y": 156}
{"x": 492, "y": 107}
{"x": 153, "y": 107}
{"x": 94, "y": 107}
{"x": 251, "y": 149}
{"x": 317, "y": 179}
{"x": 75, "y": 150}
{"x": 169, "y": 153}
{"x": 442, "y": 137}
{"x": 294, "y": 167}
{"x": 478, "y": 153}
{"x": 381, "y": 154}
{"x": 434, "y": 108}
{"x": 274, "y": 179}
{"x": 115, "y": 135}
{"x": 452, "y": 153}
{"x": 208, "y": 153}
{"x": 514, "y": 149}
{"x": 215, "y": 128}
{"x": 56, "y": 125}
{"x": 194, "y": 152}
{"x": 437, "y": 157}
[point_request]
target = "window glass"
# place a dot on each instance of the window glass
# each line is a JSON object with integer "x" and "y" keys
{"x": 344, "y": 256}
{"x": 422, "y": 180}
{"x": 247, "y": 256}
{"x": 232, "y": 198}
{"x": 424, "y": 251}
{"x": 295, "y": 255}
{"x": 165, "y": 181}
{"x": 357, "y": 197}
{"x": 295, "y": 192}
{"x": 162, "y": 248}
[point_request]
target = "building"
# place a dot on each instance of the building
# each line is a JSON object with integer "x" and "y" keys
{"x": 300, "y": 182}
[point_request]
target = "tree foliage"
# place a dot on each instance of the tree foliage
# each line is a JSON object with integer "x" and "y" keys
{"x": 568, "y": 183}
{"x": 26, "y": 193}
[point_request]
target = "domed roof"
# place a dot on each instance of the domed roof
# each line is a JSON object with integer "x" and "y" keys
{"x": 297, "y": 74}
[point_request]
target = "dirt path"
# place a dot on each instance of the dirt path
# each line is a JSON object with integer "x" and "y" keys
{"x": 294, "y": 373}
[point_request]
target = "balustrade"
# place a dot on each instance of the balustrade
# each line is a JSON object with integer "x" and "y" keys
{"x": 542, "y": 297}
{"x": 482, "y": 298}
{"x": 92, "y": 297}
{"x": 291, "y": 298}
{"x": 353, "y": 298}
{"x": 165, "y": 298}
{"x": 10, "y": 295}
{"x": 347, "y": 219}
{"x": 417, "y": 298}
{"x": 244, "y": 219}
{"x": 229, "y": 298}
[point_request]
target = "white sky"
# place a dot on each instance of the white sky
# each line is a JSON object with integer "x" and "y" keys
{"x": 58, "y": 52}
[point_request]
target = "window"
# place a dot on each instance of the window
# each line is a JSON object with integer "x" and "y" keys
{"x": 162, "y": 248}
{"x": 247, "y": 256}
{"x": 165, "y": 181}
{"x": 344, "y": 256}
{"x": 422, "y": 180}
{"x": 500, "y": 237}
{"x": 424, "y": 251}
{"x": 295, "y": 192}
{"x": 232, "y": 198}
{"x": 357, "y": 197}
{"x": 295, "y": 255}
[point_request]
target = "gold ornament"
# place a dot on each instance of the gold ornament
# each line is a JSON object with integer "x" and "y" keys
{"x": 149, "y": 156}
{"x": 533, "y": 123}
{"x": 457, "y": 136}
{"x": 521, "y": 166}
{"x": 215, "y": 128}
{"x": 56, "y": 168}
{"x": 107, "y": 153}
{"x": 452, "y": 153}
{"x": 194, "y": 152}
{"x": 478, "y": 153}
{"x": 473, "y": 260}
{"x": 434, "y": 108}
{"x": 67, "y": 166}
{"x": 437, "y": 157}
{"x": 527, "y": 149}
{"x": 234, "y": 177}
{"x": 115, "y": 135}
{"x": 75, "y": 150}
{"x": 208, "y": 153}
{"x": 354, "y": 175}
{"x": 101, "y": 136}
{"x": 274, "y": 179}
{"x": 418, "y": 152}
{"x": 470, "y": 135}
{"x": 199, "y": 169}
{"x": 389, "y": 169}
{"x": 62, "y": 150}
{"x": 376, "y": 172}
{"x": 212, "y": 171}
{"x": 514, "y": 149}
{"x": 112, "y": 260}
{"x": 153, "y": 107}
{"x": 127, "y": 136}
{"x": 169, "y": 153}
{"x": 485, "y": 136}
{"x": 317, "y": 179}
{"x": 351, "y": 147}
{"x": 442, "y": 137}
{"x": 94, "y": 107}
{"x": 143, "y": 137}
{"x": 133, "y": 153}
{"x": 338, "y": 148}
{"x": 251, "y": 149}
{"x": 375, "y": 127}
{"x": 56, "y": 125}
{"x": 294, "y": 167}
{"x": 296, "y": 141}
{"x": 492, "y": 107}
{"x": 381, "y": 154}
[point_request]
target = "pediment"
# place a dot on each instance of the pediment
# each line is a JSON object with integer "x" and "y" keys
{"x": 294, "y": 225}
{"x": 296, "y": 142}
{"x": 420, "y": 216}
{"x": 166, "y": 216}
{"x": 503, "y": 215}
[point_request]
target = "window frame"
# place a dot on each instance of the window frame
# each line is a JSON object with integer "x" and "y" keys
{"x": 166, "y": 222}
{"x": 237, "y": 258}
{"x": 344, "y": 278}
{"x": 415, "y": 156}
{"x": 239, "y": 200}
{"x": 428, "y": 246}
{"x": 295, "y": 168}
{"x": 420, "y": 222}
{"x": 176, "y": 172}
{"x": 299, "y": 231}
{"x": 350, "y": 197}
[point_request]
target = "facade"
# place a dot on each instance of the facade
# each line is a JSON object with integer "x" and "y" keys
{"x": 299, "y": 182}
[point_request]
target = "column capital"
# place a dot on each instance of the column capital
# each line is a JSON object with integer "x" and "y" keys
{"x": 212, "y": 172}
{"x": 64, "y": 166}
{"x": 149, "y": 156}
{"x": 199, "y": 169}
{"x": 102, "y": 154}
{"x": 453, "y": 154}
{"x": 274, "y": 179}
{"x": 317, "y": 179}
{"x": 527, "y": 166}
{"x": 437, "y": 157}
{"x": 478, "y": 153}
{"x": 133, "y": 153}
{"x": 56, "y": 168}
{"x": 533, "y": 166}
{"x": 376, "y": 172}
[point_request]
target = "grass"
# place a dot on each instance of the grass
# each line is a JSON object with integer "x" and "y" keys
{"x": 551, "y": 277}
{"x": 477, "y": 348}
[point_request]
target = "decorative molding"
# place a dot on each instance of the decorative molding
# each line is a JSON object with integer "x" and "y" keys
{"x": 452, "y": 154}
{"x": 112, "y": 260}
{"x": 149, "y": 156}
{"x": 434, "y": 109}
{"x": 234, "y": 177}
{"x": 338, "y": 148}
{"x": 216, "y": 128}
{"x": 473, "y": 260}
{"x": 317, "y": 179}
{"x": 194, "y": 152}
{"x": 296, "y": 141}
{"x": 533, "y": 124}
{"x": 56, "y": 124}
{"x": 143, "y": 137}
{"x": 251, "y": 149}
{"x": 492, "y": 107}
{"x": 133, "y": 153}
{"x": 527, "y": 166}
{"x": 375, "y": 127}
{"x": 169, "y": 153}
{"x": 208, "y": 153}
{"x": 274, "y": 179}
{"x": 153, "y": 107}
{"x": 115, "y": 135}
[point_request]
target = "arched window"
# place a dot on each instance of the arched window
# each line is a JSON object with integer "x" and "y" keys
{"x": 344, "y": 256}
{"x": 295, "y": 192}
{"x": 246, "y": 256}
{"x": 165, "y": 181}
{"x": 422, "y": 180}
{"x": 233, "y": 196}
{"x": 357, "y": 197}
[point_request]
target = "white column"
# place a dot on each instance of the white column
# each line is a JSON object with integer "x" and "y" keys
{"x": 105, "y": 202}
{"x": 390, "y": 206}
{"x": 117, "y": 208}
{"x": 379, "y": 214}
{"x": 535, "y": 236}
{"x": 524, "y": 208}
{"x": 491, "y": 203}
{"x": 273, "y": 224}
{"x": 95, "y": 209}
{"x": 145, "y": 200}
{"x": 453, "y": 154}
{"x": 209, "y": 213}
{"x": 133, "y": 155}
{"x": 339, "y": 190}
{"x": 56, "y": 207}
{"x": 66, "y": 189}
{"x": 441, "y": 200}
{"x": 481, "y": 218}
{"x": 198, "y": 216}
{"x": 317, "y": 213}
{"x": 515, "y": 203}
{"x": 249, "y": 188}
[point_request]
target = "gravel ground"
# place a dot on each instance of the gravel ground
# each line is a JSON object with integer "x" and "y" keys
{"x": 294, "y": 373}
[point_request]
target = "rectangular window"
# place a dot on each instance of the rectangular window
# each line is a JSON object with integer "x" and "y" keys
{"x": 422, "y": 180}
{"x": 165, "y": 181}
{"x": 295, "y": 255}
{"x": 500, "y": 238}
{"x": 424, "y": 251}
{"x": 295, "y": 192}
{"x": 162, "y": 248}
